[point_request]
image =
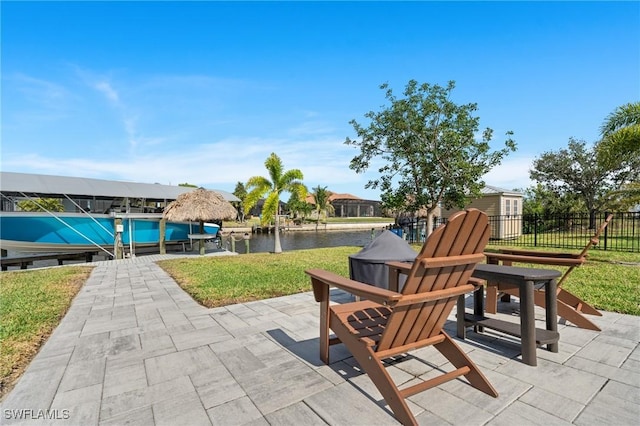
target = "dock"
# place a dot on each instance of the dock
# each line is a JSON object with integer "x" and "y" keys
{"x": 25, "y": 261}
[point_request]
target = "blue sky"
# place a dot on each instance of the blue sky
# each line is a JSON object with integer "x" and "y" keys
{"x": 203, "y": 92}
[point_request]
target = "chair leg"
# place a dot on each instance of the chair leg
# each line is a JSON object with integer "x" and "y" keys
{"x": 565, "y": 310}
{"x": 450, "y": 350}
{"x": 373, "y": 367}
{"x": 577, "y": 303}
{"x": 491, "y": 299}
{"x": 570, "y": 314}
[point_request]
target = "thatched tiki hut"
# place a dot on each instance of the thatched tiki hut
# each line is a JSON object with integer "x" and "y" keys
{"x": 199, "y": 205}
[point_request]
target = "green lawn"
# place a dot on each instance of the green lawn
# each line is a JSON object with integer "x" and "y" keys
{"x": 32, "y": 303}
{"x": 609, "y": 280}
{"x": 219, "y": 281}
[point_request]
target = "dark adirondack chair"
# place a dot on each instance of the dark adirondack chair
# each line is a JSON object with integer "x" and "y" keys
{"x": 388, "y": 323}
{"x": 570, "y": 306}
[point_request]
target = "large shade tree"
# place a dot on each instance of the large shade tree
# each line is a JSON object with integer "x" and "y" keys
{"x": 577, "y": 171}
{"x": 546, "y": 202}
{"x": 429, "y": 148}
{"x": 279, "y": 181}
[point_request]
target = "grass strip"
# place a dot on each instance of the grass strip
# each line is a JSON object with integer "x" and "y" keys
{"x": 32, "y": 303}
{"x": 609, "y": 281}
{"x": 219, "y": 281}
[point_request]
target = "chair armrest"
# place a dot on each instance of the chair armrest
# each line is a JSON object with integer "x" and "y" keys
{"x": 321, "y": 277}
{"x": 541, "y": 260}
{"x": 395, "y": 269}
{"x": 540, "y": 253}
{"x": 477, "y": 282}
{"x": 402, "y": 267}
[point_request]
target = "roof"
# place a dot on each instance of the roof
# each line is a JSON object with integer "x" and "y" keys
{"x": 494, "y": 190}
{"x": 52, "y": 186}
{"x": 345, "y": 196}
{"x": 334, "y": 196}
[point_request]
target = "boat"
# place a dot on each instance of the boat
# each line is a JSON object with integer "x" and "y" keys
{"x": 99, "y": 215}
{"x": 39, "y": 232}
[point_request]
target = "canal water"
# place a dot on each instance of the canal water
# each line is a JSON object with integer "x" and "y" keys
{"x": 298, "y": 240}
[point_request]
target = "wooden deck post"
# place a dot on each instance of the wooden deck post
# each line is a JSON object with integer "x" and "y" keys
{"x": 201, "y": 241}
{"x": 162, "y": 240}
{"x": 118, "y": 250}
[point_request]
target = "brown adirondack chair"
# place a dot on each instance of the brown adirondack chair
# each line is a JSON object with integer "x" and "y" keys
{"x": 570, "y": 306}
{"x": 388, "y": 323}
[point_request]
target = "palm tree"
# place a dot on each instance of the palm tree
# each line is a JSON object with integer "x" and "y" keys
{"x": 278, "y": 182}
{"x": 298, "y": 209}
{"x": 621, "y": 142}
{"x": 323, "y": 206}
{"x": 621, "y": 132}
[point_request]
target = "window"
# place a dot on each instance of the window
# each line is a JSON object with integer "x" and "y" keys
{"x": 508, "y": 207}
{"x": 515, "y": 207}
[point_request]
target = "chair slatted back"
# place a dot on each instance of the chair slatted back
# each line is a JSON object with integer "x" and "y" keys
{"x": 466, "y": 233}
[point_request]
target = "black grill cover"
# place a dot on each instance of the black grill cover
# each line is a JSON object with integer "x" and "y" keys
{"x": 368, "y": 266}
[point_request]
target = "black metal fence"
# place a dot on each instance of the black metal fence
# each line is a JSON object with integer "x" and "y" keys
{"x": 568, "y": 231}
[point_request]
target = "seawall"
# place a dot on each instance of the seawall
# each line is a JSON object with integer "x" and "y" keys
{"x": 312, "y": 227}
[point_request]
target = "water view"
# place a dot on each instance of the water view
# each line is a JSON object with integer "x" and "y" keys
{"x": 292, "y": 240}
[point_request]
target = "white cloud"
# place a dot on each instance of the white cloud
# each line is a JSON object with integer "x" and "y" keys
{"x": 224, "y": 163}
{"x": 108, "y": 91}
{"x": 511, "y": 174}
{"x": 221, "y": 163}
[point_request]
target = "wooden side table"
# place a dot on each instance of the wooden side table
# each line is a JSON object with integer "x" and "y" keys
{"x": 526, "y": 280}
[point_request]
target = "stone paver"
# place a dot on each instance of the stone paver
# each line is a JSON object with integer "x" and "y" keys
{"x": 136, "y": 349}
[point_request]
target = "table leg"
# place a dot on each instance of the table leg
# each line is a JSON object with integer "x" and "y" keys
{"x": 528, "y": 324}
{"x": 551, "y": 311}
{"x": 478, "y": 306}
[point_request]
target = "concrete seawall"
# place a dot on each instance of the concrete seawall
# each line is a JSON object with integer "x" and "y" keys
{"x": 312, "y": 227}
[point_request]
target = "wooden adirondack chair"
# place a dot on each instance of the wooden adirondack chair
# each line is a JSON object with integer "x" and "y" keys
{"x": 570, "y": 306}
{"x": 388, "y": 323}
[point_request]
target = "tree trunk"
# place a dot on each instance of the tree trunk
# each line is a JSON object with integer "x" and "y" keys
{"x": 278, "y": 247}
{"x": 592, "y": 218}
{"x": 429, "y": 229}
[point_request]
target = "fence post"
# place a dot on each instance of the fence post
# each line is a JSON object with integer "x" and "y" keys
{"x": 246, "y": 242}
{"x": 606, "y": 214}
{"x": 535, "y": 229}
